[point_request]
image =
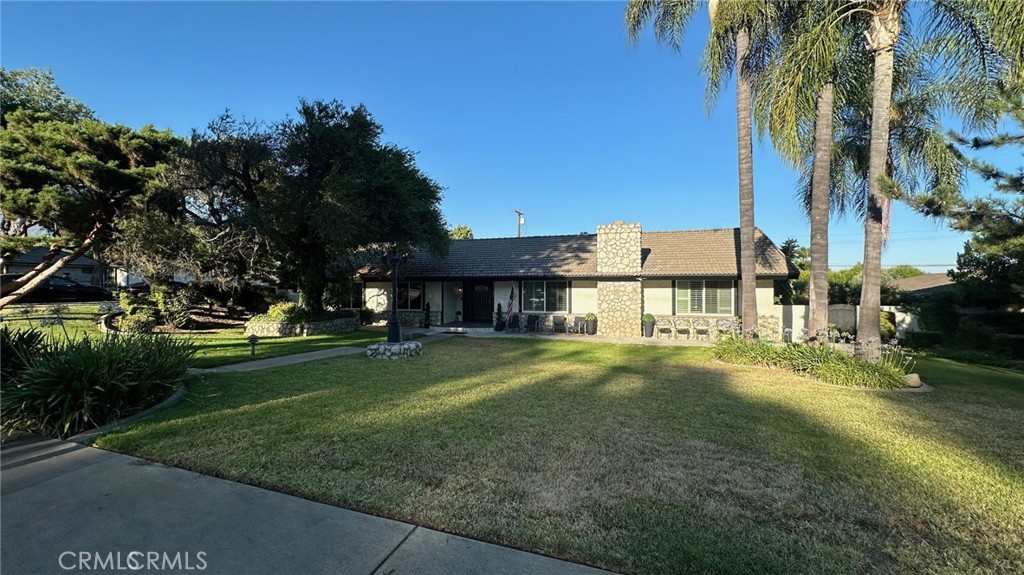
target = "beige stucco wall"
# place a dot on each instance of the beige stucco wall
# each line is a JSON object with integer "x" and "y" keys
{"x": 658, "y": 295}
{"x": 433, "y": 294}
{"x": 376, "y": 295}
{"x": 583, "y": 297}
{"x": 452, "y": 300}
{"x": 765, "y": 297}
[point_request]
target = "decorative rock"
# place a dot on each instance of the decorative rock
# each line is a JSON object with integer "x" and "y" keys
{"x": 394, "y": 350}
{"x": 281, "y": 329}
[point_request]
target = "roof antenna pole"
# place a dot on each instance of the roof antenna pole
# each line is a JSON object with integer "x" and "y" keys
{"x": 519, "y": 223}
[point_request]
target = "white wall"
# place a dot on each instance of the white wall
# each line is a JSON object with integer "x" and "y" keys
{"x": 658, "y": 296}
{"x": 501, "y": 291}
{"x": 583, "y": 297}
{"x": 433, "y": 295}
{"x": 376, "y": 295}
{"x": 452, "y": 300}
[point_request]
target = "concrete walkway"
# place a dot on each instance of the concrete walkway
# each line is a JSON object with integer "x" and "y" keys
{"x": 62, "y": 498}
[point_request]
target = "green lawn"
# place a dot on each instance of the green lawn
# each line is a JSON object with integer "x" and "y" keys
{"x": 230, "y": 346}
{"x": 639, "y": 459}
{"x": 79, "y": 319}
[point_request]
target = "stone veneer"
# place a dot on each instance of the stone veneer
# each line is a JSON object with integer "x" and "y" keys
{"x": 619, "y": 301}
{"x": 619, "y": 308}
{"x": 407, "y": 318}
{"x": 283, "y": 329}
{"x": 401, "y": 350}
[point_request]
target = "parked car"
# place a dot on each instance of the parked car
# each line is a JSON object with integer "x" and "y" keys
{"x": 58, "y": 289}
{"x": 144, "y": 288}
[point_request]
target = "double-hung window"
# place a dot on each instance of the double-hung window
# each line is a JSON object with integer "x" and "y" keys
{"x": 410, "y": 295}
{"x": 705, "y": 297}
{"x": 545, "y": 296}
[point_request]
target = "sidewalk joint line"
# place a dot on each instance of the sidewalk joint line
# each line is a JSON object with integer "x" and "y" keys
{"x": 400, "y": 543}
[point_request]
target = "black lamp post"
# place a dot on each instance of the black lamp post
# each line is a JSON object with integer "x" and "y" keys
{"x": 394, "y": 328}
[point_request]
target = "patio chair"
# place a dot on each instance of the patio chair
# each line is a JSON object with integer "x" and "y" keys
{"x": 724, "y": 327}
{"x": 559, "y": 324}
{"x": 701, "y": 328}
{"x": 579, "y": 324}
{"x": 532, "y": 323}
{"x": 684, "y": 325}
{"x": 663, "y": 323}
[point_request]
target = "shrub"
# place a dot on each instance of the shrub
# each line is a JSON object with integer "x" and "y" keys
{"x": 71, "y": 386}
{"x": 973, "y": 334}
{"x": 426, "y": 314}
{"x": 140, "y": 303}
{"x": 138, "y": 323}
{"x": 826, "y": 363}
{"x": 365, "y": 316}
{"x": 499, "y": 319}
{"x": 887, "y": 326}
{"x": 17, "y": 348}
{"x": 1009, "y": 345}
{"x": 647, "y": 318}
{"x": 291, "y": 312}
{"x": 922, "y": 339}
{"x": 174, "y": 304}
{"x": 286, "y": 311}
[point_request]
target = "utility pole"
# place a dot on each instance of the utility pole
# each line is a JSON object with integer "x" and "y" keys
{"x": 519, "y": 222}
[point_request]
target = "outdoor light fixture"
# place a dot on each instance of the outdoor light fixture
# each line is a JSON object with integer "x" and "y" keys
{"x": 394, "y": 328}
{"x": 253, "y": 340}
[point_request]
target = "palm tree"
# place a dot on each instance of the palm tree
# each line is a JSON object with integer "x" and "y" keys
{"x": 796, "y": 104}
{"x": 738, "y": 40}
{"x": 973, "y": 48}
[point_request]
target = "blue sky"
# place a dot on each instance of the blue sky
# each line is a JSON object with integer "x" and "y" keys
{"x": 543, "y": 107}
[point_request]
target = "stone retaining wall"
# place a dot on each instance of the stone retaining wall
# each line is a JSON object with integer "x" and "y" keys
{"x": 406, "y": 318}
{"x": 386, "y": 350}
{"x": 284, "y": 329}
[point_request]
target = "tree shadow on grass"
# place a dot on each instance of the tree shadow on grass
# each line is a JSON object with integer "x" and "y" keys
{"x": 642, "y": 460}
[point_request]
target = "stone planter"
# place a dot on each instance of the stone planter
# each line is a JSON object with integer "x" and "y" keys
{"x": 284, "y": 329}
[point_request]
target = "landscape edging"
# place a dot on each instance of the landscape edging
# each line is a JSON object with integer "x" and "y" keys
{"x": 87, "y": 437}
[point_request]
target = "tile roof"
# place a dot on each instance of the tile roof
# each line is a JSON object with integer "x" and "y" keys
{"x": 924, "y": 283}
{"x": 714, "y": 252}
{"x": 705, "y": 253}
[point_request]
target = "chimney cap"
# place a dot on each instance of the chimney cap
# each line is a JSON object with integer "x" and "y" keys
{"x": 618, "y": 222}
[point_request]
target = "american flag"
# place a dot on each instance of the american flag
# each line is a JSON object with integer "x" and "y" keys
{"x": 511, "y": 304}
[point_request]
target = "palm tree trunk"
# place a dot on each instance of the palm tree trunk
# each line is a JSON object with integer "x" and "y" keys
{"x": 881, "y": 36}
{"x": 820, "y": 182}
{"x": 748, "y": 274}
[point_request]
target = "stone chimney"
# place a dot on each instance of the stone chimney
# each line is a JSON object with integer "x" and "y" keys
{"x": 618, "y": 248}
{"x": 619, "y": 300}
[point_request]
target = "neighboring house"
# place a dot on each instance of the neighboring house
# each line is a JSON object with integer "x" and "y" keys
{"x": 924, "y": 284}
{"x": 620, "y": 273}
{"x": 82, "y": 270}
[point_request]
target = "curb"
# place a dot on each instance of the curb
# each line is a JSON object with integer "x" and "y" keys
{"x": 87, "y": 437}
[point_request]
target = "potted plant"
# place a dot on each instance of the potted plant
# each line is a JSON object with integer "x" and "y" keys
{"x": 499, "y": 319}
{"x": 426, "y": 315}
{"x": 591, "y": 323}
{"x": 648, "y": 320}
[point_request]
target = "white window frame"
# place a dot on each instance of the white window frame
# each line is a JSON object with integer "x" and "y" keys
{"x": 523, "y": 294}
{"x": 704, "y": 296}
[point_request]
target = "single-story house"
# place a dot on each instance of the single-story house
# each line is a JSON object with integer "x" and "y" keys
{"x": 83, "y": 270}
{"x": 619, "y": 273}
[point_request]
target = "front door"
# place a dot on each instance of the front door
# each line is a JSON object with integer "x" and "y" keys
{"x": 479, "y": 301}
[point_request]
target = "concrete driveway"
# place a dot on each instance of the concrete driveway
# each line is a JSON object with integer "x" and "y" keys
{"x": 66, "y": 508}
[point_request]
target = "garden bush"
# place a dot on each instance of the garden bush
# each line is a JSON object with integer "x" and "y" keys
{"x": 922, "y": 339}
{"x": 826, "y": 363}
{"x": 141, "y": 322}
{"x": 291, "y": 312}
{"x": 174, "y": 304}
{"x": 70, "y": 386}
{"x": 17, "y": 348}
{"x": 1009, "y": 345}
